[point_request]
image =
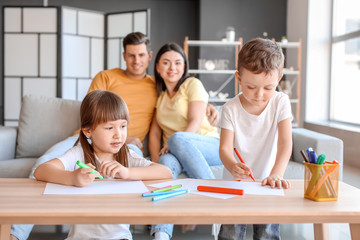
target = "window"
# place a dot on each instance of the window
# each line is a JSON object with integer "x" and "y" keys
{"x": 345, "y": 62}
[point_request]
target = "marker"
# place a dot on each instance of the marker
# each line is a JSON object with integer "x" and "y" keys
{"x": 159, "y": 188}
{"x": 151, "y": 194}
{"x": 220, "y": 190}
{"x": 321, "y": 159}
{"x": 170, "y": 195}
{"x": 304, "y": 155}
{"x": 238, "y": 154}
{"x": 168, "y": 188}
{"x": 83, "y": 165}
{"x": 313, "y": 157}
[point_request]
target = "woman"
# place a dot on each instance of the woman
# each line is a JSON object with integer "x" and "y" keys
{"x": 190, "y": 143}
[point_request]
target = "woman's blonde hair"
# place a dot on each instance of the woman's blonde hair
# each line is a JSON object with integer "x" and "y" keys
{"x": 98, "y": 107}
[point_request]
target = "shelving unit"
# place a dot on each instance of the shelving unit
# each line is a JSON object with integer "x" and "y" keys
{"x": 237, "y": 46}
{"x": 295, "y": 81}
{"x": 294, "y": 76}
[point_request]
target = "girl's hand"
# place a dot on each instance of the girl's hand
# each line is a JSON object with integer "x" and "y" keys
{"x": 240, "y": 171}
{"x": 83, "y": 176}
{"x": 275, "y": 181}
{"x": 164, "y": 150}
{"x": 114, "y": 169}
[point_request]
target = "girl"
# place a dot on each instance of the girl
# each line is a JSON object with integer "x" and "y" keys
{"x": 104, "y": 118}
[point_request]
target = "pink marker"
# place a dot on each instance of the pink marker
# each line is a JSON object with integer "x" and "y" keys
{"x": 159, "y": 188}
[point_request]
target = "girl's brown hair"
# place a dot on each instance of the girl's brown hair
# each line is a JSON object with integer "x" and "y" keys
{"x": 261, "y": 56}
{"x": 101, "y": 106}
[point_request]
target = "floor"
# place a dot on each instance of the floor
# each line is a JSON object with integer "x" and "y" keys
{"x": 203, "y": 232}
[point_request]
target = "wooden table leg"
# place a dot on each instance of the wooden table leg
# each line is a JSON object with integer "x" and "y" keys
{"x": 355, "y": 230}
{"x": 321, "y": 231}
{"x": 5, "y": 231}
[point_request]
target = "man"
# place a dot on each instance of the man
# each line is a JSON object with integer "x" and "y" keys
{"x": 139, "y": 92}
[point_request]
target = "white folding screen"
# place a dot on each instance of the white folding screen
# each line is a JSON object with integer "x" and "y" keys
{"x": 30, "y": 43}
{"x": 82, "y": 50}
{"x": 57, "y": 51}
{"x": 118, "y": 26}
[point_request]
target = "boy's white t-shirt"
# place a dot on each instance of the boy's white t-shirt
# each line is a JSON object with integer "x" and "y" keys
{"x": 255, "y": 137}
{"x": 98, "y": 231}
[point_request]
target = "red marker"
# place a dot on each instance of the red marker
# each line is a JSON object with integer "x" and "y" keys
{"x": 238, "y": 154}
{"x": 220, "y": 190}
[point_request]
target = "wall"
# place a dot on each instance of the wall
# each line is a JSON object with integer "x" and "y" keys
{"x": 170, "y": 20}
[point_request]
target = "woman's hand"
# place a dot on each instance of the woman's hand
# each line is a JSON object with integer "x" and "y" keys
{"x": 212, "y": 114}
{"x": 164, "y": 150}
{"x": 114, "y": 169}
{"x": 83, "y": 176}
{"x": 275, "y": 181}
{"x": 240, "y": 171}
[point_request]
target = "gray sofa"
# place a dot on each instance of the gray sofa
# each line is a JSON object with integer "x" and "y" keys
{"x": 45, "y": 121}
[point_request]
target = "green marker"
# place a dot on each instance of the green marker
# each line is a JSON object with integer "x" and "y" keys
{"x": 321, "y": 159}
{"x": 167, "y": 189}
{"x": 83, "y": 165}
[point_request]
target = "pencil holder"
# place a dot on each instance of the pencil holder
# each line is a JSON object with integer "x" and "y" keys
{"x": 321, "y": 182}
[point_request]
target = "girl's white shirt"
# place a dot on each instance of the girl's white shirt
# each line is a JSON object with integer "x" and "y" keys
{"x": 98, "y": 231}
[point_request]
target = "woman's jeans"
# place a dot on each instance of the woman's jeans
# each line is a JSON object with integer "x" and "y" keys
{"x": 193, "y": 154}
{"x": 261, "y": 232}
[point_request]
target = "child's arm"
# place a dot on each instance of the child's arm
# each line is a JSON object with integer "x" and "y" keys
{"x": 284, "y": 148}
{"x": 154, "y": 139}
{"x": 226, "y": 151}
{"x": 151, "y": 172}
{"x": 53, "y": 171}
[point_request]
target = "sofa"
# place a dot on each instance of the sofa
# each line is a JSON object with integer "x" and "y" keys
{"x": 46, "y": 121}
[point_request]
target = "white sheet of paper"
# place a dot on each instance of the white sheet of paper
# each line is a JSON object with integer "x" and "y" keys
{"x": 98, "y": 187}
{"x": 248, "y": 187}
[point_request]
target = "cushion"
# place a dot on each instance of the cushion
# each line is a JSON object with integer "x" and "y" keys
{"x": 43, "y": 122}
{"x": 16, "y": 168}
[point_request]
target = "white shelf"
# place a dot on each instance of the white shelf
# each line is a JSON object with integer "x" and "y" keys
{"x": 218, "y": 100}
{"x": 291, "y": 72}
{"x": 199, "y": 71}
{"x": 289, "y": 44}
{"x": 212, "y": 43}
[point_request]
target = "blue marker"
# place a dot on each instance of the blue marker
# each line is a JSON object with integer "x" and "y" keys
{"x": 159, "y": 193}
{"x": 313, "y": 157}
{"x": 170, "y": 195}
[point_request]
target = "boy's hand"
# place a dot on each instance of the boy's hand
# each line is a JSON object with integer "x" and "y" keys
{"x": 83, "y": 176}
{"x": 240, "y": 171}
{"x": 114, "y": 169}
{"x": 275, "y": 181}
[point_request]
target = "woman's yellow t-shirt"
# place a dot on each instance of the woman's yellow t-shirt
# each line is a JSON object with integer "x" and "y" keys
{"x": 172, "y": 113}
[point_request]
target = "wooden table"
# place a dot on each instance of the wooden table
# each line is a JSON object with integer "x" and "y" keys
{"x": 22, "y": 202}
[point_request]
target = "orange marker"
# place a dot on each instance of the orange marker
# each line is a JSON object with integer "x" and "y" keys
{"x": 238, "y": 154}
{"x": 220, "y": 190}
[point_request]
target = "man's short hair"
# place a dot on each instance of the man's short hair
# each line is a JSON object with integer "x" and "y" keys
{"x": 136, "y": 38}
{"x": 261, "y": 56}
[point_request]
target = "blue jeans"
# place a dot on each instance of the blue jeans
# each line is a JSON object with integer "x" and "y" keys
{"x": 22, "y": 231}
{"x": 193, "y": 154}
{"x": 238, "y": 232}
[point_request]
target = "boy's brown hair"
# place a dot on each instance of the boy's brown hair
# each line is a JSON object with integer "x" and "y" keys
{"x": 261, "y": 56}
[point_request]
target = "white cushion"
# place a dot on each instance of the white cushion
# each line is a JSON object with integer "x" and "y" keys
{"x": 43, "y": 122}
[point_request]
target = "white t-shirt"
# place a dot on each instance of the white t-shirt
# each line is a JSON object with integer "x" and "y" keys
{"x": 98, "y": 231}
{"x": 255, "y": 137}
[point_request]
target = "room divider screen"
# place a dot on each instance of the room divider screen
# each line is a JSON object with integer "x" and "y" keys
{"x": 56, "y": 51}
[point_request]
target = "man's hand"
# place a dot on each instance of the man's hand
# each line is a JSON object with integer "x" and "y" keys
{"x": 135, "y": 141}
{"x": 212, "y": 114}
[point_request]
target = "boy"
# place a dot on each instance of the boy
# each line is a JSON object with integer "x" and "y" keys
{"x": 257, "y": 122}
